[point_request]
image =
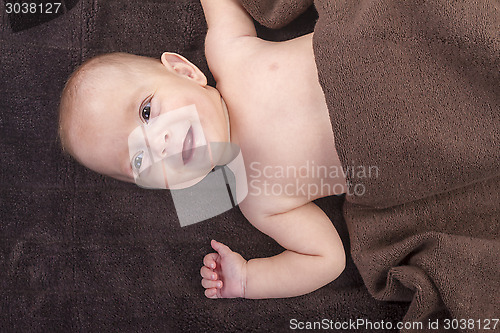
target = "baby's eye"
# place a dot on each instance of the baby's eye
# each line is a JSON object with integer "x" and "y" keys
{"x": 137, "y": 161}
{"x": 146, "y": 112}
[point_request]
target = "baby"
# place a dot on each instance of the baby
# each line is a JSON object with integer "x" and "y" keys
{"x": 278, "y": 117}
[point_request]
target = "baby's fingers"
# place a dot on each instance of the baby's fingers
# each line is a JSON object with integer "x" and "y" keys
{"x": 222, "y": 249}
{"x": 208, "y": 284}
{"x": 207, "y": 273}
{"x": 210, "y": 260}
{"x": 211, "y": 293}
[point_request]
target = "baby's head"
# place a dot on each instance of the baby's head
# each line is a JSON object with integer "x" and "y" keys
{"x": 112, "y": 96}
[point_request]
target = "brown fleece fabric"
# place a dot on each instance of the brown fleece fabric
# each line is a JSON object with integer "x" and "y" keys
{"x": 413, "y": 89}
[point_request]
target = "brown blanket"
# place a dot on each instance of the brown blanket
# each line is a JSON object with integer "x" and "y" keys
{"x": 413, "y": 89}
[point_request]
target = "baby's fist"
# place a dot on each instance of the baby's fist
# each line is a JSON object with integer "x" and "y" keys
{"x": 224, "y": 273}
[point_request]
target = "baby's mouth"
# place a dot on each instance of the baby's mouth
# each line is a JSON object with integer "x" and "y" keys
{"x": 187, "y": 148}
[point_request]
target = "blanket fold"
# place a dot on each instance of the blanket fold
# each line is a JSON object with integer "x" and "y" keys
{"x": 277, "y": 13}
{"x": 413, "y": 92}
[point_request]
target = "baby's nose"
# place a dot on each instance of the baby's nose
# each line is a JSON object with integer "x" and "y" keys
{"x": 160, "y": 144}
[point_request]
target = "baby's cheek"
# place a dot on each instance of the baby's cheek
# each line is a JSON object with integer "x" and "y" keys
{"x": 213, "y": 128}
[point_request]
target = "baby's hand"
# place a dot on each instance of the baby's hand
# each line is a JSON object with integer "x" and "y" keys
{"x": 224, "y": 273}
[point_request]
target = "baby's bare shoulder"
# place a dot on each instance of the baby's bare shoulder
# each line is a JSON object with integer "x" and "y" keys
{"x": 229, "y": 57}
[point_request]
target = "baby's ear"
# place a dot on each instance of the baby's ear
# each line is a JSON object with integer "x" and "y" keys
{"x": 180, "y": 65}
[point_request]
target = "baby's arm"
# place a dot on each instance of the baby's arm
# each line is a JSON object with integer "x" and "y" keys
{"x": 314, "y": 257}
{"x": 227, "y": 19}
{"x": 228, "y": 23}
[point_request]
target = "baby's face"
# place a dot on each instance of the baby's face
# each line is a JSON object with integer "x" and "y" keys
{"x": 171, "y": 97}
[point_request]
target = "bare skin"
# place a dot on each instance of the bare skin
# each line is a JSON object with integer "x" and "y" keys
{"x": 280, "y": 119}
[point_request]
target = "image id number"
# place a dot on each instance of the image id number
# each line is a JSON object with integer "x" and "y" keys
{"x": 32, "y": 8}
{"x": 471, "y": 324}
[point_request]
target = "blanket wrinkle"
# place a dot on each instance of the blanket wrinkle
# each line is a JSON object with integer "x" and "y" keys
{"x": 425, "y": 301}
{"x": 276, "y": 14}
